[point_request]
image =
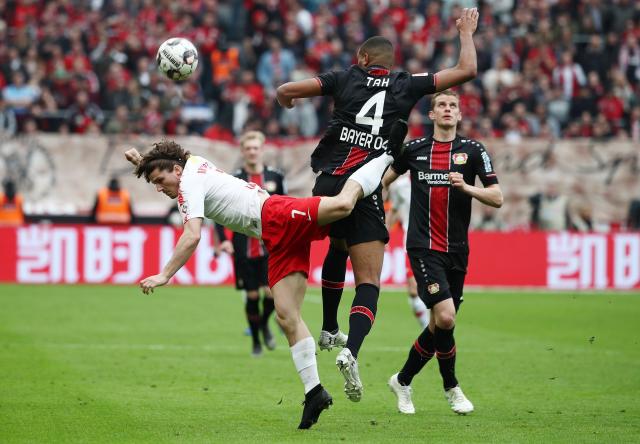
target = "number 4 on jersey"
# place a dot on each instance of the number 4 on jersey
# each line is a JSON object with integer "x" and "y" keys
{"x": 376, "y": 121}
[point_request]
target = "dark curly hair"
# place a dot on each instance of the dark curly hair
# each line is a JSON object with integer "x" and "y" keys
{"x": 164, "y": 155}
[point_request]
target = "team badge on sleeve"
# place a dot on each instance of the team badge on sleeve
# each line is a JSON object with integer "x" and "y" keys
{"x": 459, "y": 158}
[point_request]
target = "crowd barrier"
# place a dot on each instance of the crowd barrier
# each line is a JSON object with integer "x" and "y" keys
{"x": 91, "y": 254}
{"x": 61, "y": 174}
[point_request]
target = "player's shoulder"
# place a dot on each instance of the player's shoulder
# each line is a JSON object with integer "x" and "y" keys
{"x": 469, "y": 143}
{"x": 274, "y": 171}
{"x": 416, "y": 145}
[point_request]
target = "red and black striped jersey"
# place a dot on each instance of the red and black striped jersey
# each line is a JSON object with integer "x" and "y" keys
{"x": 366, "y": 103}
{"x": 439, "y": 216}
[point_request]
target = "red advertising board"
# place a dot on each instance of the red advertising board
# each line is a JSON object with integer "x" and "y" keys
{"x": 123, "y": 255}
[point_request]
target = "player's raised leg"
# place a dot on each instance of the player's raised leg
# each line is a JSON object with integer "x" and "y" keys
{"x": 288, "y": 295}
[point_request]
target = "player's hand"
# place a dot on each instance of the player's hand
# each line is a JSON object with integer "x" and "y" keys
{"x": 151, "y": 282}
{"x": 468, "y": 21}
{"x": 133, "y": 156}
{"x": 287, "y": 103}
{"x": 226, "y": 247}
{"x": 457, "y": 181}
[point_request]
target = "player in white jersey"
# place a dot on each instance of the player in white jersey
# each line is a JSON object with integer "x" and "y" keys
{"x": 400, "y": 198}
{"x": 286, "y": 225}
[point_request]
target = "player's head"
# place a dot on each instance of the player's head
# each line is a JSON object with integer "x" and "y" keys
{"x": 251, "y": 144}
{"x": 376, "y": 50}
{"x": 445, "y": 109}
{"x": 163, "y": 165}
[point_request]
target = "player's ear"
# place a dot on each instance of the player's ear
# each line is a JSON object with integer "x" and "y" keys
{"x": 459, "y": 117}
{"x": 177, "y": 170}
{"x": 432, "y": 115}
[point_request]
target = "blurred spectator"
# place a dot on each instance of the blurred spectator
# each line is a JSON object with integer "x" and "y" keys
{"x": 120, "y": 122}
{"x": 550, "y": 209}
{"x": 275, "y": 65}
{"x": 634, "y": 124}
{"x": 19, "y": 95}
{"x": 11, "y": 212}
{"x": 8, "y": 125}
{"x": 568, "y": 75}
{"x": 83, "y": 113}
{"x": 633, "y": 219}
{"x": 112, "y": 205}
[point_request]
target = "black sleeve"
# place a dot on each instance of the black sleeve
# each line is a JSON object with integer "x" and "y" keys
{"x": 401, "y": 165}
{"x": 422, "y": 84}
{"x": 280, "y": 189}
{"x": 482, "y": 165}
{"x": 222, "y": 236}
{"x": 330, "y": 82}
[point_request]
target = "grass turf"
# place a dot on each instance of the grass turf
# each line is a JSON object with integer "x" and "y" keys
{"x": 108, "y": 364}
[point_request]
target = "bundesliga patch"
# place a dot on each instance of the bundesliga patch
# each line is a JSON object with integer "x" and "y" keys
{"x": 459, "y": 158}
{"x": 433, "y": 288}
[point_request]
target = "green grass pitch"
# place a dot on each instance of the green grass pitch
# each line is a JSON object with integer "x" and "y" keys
{"x": 109, "y": 364}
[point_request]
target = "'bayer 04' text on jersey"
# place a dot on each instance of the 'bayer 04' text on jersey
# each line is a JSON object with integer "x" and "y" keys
{"x": 206, "y": 191}
{"x": 366, "y": 103}
{"x": 440, "y": 214}
{"x": 272, "y": 181}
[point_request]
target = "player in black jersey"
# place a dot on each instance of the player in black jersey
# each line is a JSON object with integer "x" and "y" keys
{"x": 443, "y": 169}
{"x": 368, "y": 99}
{"x": 249, "y": 254}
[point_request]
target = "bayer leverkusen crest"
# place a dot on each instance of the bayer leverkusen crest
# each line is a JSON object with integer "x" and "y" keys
{"x": 459, "y": 158}
{"x": 433, "y": 288}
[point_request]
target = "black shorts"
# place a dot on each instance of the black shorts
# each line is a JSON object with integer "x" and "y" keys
{"x": 251, "y": 274}
{"x": 366, "y": 221}
{"x": 439, "y": 275}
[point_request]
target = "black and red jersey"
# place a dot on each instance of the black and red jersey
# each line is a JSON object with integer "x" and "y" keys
{"x": 270, "y": 180}
{"x": 440, "y": 214}
{"x": 366, "y": 103}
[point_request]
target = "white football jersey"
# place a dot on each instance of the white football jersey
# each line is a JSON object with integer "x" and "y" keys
{"x": 400, "y": 197}
{"x": 206, "y": 191}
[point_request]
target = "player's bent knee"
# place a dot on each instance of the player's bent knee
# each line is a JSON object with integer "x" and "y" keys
{"x": 446, "y": 321}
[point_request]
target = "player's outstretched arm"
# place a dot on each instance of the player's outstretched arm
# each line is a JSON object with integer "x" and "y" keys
{"x": 184, "y": 249}
{"x": 389, "y": 177}
{"x": 297, "y": 90}
{"x": 491, "y": 195}
{"x": 467, "y": 67}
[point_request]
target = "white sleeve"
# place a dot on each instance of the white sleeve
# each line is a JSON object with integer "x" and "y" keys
{"x": 191, "y": 197}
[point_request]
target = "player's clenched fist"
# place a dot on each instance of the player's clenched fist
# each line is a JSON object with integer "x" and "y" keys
{"x": 457, "y": 180}
{"x": 468, "y": 21}
{"x": 133, "y": 156}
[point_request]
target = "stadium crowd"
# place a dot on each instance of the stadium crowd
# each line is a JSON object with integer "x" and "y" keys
{"x": 89, "y": 66}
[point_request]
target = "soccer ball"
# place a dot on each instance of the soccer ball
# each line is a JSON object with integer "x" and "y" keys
{"x": 177, "y": 58}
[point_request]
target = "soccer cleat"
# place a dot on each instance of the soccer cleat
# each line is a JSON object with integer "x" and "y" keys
{"x": 458, "y": 402}
{"x": 269, "y": 341}
{"x": 329, "y": 340}
{"x": 403, "y": 394}
{"x": 256, "y": 351}
{"x": 313, "y": 407}
{"x": 348, "y": 366}
{"x": 395, "y": 145}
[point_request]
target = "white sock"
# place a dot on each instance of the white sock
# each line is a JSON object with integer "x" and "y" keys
{"x": 304, "y": 358}
{"x": 370, "y": 174}
{"x": 420, "y": 310}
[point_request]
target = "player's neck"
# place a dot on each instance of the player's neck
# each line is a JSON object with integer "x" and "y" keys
{"x": 254, "y": 169}
{"x": 444, "y": 134}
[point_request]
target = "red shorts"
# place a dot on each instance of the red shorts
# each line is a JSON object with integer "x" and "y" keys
{"x": 407, "y": 265}
{"x": 289, "y": 225}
